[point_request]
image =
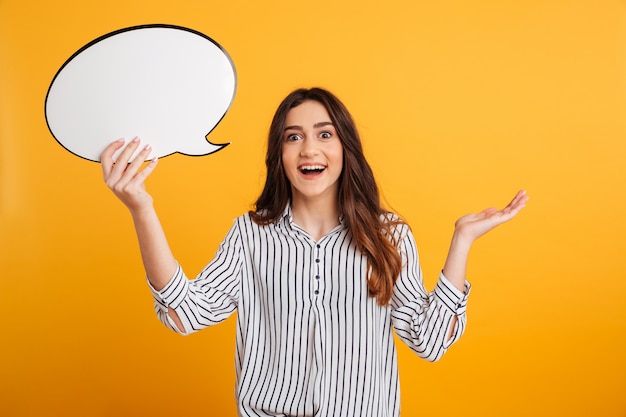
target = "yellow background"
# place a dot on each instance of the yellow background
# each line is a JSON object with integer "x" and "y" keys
{"x": 460, "y": 103}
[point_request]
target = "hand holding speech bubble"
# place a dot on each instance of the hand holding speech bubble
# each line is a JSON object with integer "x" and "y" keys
{"x": 166, "y": 84}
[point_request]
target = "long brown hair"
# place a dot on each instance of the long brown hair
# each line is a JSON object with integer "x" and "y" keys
{"x": 372, "y": 228}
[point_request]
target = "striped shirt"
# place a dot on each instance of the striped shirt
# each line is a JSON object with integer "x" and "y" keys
{"x": 310, "y": 341}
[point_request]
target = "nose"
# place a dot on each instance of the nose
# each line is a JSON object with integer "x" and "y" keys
{"x": 309, "y": 147}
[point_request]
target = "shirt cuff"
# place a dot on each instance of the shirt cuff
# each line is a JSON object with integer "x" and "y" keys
{"x": 451, "y": 296}
{"x": 173, "y": 293}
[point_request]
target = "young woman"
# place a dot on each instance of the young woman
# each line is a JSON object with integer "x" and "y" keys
{"x": 319, "y": 272}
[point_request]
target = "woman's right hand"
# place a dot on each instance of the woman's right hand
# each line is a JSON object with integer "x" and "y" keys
{"x": 127, "y": 180}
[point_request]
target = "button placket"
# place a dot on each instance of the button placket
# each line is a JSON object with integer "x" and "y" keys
{"x": 318, "y": 266}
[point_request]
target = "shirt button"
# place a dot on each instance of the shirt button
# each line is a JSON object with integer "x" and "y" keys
{"x": 317, "y": 277}
{"x": 318, "y": 246}
{"x": 317, "y": 291}
{"x": 317, "y": 260}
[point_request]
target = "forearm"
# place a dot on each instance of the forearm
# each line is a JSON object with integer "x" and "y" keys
{"x": 158, "y": 260}
{"x": 455, "y": 268}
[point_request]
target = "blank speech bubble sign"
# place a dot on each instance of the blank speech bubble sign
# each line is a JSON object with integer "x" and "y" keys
{"x": 168, "y": 85}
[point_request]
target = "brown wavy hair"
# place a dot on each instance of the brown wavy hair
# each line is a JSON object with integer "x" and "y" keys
{"x": 371, "y": 226}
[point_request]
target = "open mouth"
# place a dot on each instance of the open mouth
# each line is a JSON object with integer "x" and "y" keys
{"x": 311, "y": 170}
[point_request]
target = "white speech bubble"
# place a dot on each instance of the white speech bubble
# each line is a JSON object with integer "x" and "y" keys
{"x": 168, "y": 85}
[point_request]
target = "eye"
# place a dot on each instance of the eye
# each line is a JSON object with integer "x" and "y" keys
{"x": 292, "y": 137}
{"x": 326, "y": 135}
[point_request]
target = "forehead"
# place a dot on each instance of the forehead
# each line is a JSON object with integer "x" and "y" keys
{"x": 307, "y": 113}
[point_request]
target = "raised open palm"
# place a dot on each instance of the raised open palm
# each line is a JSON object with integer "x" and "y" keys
{"x": 473, "y": 225}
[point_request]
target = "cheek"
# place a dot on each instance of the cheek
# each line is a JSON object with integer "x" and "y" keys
{"x": 339, "y": 157}
{"x": 284, "y": 159}
{"x": 290, "y": 155}
{"x": 288, "y": 163}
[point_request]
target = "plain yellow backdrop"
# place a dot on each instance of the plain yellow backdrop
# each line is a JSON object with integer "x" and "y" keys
{"x": 460, "y": 104}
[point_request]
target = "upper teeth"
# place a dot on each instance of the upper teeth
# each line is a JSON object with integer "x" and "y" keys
{"x": 312, "y": 167}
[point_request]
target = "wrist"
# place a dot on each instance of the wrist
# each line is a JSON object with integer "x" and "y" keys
{"x": 461, "y": 241}
{"x": 142, "y": 212}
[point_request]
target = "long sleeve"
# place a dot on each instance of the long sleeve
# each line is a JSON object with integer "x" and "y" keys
{"x": 208, "y": 299}
{"x": 422, "y": 320}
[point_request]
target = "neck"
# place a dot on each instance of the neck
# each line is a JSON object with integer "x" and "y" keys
{"x": 317, "y": 217}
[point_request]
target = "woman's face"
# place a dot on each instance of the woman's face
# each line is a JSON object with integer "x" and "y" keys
{"x": 312, "y": 153}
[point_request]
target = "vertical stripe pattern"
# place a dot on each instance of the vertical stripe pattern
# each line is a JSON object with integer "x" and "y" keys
{"x": 310, "y": 341}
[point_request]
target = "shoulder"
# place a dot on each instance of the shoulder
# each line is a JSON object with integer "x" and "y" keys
{"x": 393, "y": 220}
{"x": 396, "y": 226}
{"x": 249, "y": 221}
{"x": 244, "y": 219}
{"x": 390, "y": 217}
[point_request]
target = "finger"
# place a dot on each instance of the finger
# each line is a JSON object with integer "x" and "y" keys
{"x": 517, "y": 203}
{"x": 520, "y": 198}
{"x": 106, "y": 158}
{"x": 143, "y": 174}
{"x": 515, "y": 206}
{"x": 489, "y": 211}
{"x": 129, "y": 150}
{"x": 133, "y": 176}
{"x": 121, "y": 166}
{"x": 133, "y": 167}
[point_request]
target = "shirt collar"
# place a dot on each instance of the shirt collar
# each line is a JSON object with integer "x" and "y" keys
{"x": 287, "y": 216}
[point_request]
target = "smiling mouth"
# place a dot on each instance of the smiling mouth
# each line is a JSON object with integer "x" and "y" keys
{"x": 311, "y": 170}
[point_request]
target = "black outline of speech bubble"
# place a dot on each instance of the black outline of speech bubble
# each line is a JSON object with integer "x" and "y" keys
{"x": 128, "y": 29}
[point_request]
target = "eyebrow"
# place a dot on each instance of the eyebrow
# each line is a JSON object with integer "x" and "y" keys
{"x": 315, "y": 126}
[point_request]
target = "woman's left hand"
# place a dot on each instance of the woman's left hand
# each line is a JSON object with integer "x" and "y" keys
{"x": 469, "y": 228}
{"x": 472, "y": 226}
